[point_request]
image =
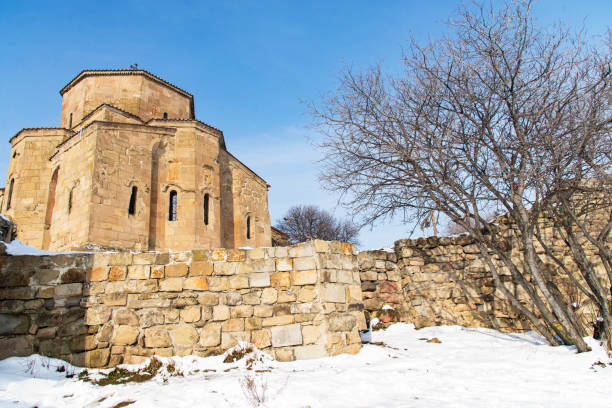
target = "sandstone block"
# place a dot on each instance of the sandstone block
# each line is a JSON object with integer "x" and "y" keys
{"x": 233, "y": 325}
{"x": 98, "y": 274}
{"x": 210, "y": 335}
{"x": 125, "y": 317}
{"x": 157, "y": 271}
{"x": 117, "y": 273}
{"x": 284, "y": 354}
{"x": 236, "y": 255}
{"x": 310, "y": 334}
{"x": 302, "y": 264}
{"x": 239, "y": 282}
{"x": 184, "y": 336}
{"x": 196, "y": 283}
{"x": 96, "y": 358}
{"x": 253, "y": 298}
{"x": 221, "y": 312}
{"x": 191, "y": 314}
{"x": 231, "y": 339}
{"x": 286, "y": 335}
{"x": 320, "y": 245}
{"x": 261, "y": 338}
{"x": 277, "y": 321}
{"x": 307, "y": 277}
{"x": 97, "y": 315}
{"x": 138, "y": 272}
{"x": 125, "y": 335}
{"x": 307, "y": 294}
{"x": 151, "y": 317}
{"x": 209, "y": 299}
{"x": 171, "y": 284}
{"x": 333, "y": 293}
{"x": 176, "y": 270}
{"x": 269, "y": 296}
{"x": 301, "y": 250}
{"x": 263, "y": 265}
{"x": 285, "y": 296}
{"x": 252, "y": 323}
{"x": 144, "y": 258}
{"x": 218, "y": 254}
{"x": 120, "y": 258}
{"x": 263, "y": 311}
{"x": 341, "y": 322}
{"x": 203, "y": 268}
{"x": 217, "y": 284}
{"x": 69, "y": 289}
{"x": 256, "y": 253}
{"x": 242, "y": 311}
{"x": 284, "y": 264}
{"x": 258, "y": 280}
{"x": 114, "y": 299}
{"x": 157, "y": 337}
{"x": 280, "y": 279}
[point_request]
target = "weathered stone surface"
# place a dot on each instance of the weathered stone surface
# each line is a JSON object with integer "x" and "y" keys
{"x": 184, "y": 336}
{"x": 333, "y": 293}
{"x": 196, "y": 283}
{"x": 210, "y": 335}
{"x": 217, "y": 284}
{"x": 261, "y": 338}
{"x": 138, "y": 272}
{"x": 280, "y": 279}
{"x": 305, "y": 277}
{"x": 157, "y": 337}
{"x": 239, "y": 282}
{"x": 233, "y": 325}
{"x": 302, "y": 264}
{"x": 117, "y": 273}
{"x": 286, "y": 335}
{"x": 176, "y": 270}
{"x": 191, "y": 314}
{"x": 97, "y": 315}
{"x": 310, "y": 334}
{"x": 307, "y": 294}
{"x": 70, "y": 289}
{"x": 269, "y": 296}
{"x": 98, "y": 274}
{"x": 231, "y": 339}
{"x": 171, "y": 284}
{"x": 125, "y": 316}
{"x": 221, "y": 313}
{"x": 341, "y": 322}
{"x": 258, "y": 280}
{"x": 125, "y": 335}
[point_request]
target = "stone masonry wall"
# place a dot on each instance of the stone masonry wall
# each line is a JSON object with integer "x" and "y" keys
{"x": 103, "y": 309}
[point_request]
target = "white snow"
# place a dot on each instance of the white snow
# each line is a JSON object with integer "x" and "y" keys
{"x": 473, "y": 368}
{"x": 4, "y": 218}
{"x": 387, "y": 307}
{"x": 16, "y": 247}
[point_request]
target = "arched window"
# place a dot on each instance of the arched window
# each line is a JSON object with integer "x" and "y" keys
{"x": 248, "y": 225}
{"x": 70, "y": 122}
{"x": 165, "y": 115}
{"x": 132, "y": 206}
{"x": 206, "y": 208}
{"x": 51, "y": 198}
{"x": 173, "y": 206}
{"x": 70, "y": 200}
{"x": 9, "y": 196}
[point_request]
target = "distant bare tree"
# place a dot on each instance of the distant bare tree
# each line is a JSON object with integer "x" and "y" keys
{"x": 499, "y": 115}
{"x": 306, "y": 222}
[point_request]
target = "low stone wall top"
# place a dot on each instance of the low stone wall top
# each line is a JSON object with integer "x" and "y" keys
{"x": 102, "y": 309}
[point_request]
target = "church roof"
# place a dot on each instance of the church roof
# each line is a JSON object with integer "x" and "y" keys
{"x": 123, "y": 71}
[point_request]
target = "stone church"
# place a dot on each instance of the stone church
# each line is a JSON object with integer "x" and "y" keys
{"x": 130, "y": 167}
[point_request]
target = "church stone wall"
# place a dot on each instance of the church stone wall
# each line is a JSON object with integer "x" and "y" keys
{"x": 102, "y": 309}
{"x": 31, "y": 169}
{"x": 133, "y": 93}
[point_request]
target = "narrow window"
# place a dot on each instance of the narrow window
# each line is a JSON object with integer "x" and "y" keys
{"x": 248, "y": 222}
{"x": 132, "y": 207}
{"x": 172, "y": 207}
{"x": 165, "y": 115}
{"x": 51, "y": 199}
{"x": 10, "y": 194}
{"x": 70, "y": 201}
{"x": 70, "y": 122}
{"x": 206, "y": 208}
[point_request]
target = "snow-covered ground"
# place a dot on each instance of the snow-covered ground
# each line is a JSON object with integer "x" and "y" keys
{"x": 468, "y": 368}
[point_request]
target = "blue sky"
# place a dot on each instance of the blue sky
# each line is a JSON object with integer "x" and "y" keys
{"x": 247, "y": 63}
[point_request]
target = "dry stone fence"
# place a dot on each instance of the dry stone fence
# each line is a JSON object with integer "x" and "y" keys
{"x": 103, "y": 309}
{"x": 299, "y": 302}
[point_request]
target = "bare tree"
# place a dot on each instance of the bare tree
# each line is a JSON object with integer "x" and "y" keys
{"x": 306, "y": 222}
{"x": 498, "y": 116}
